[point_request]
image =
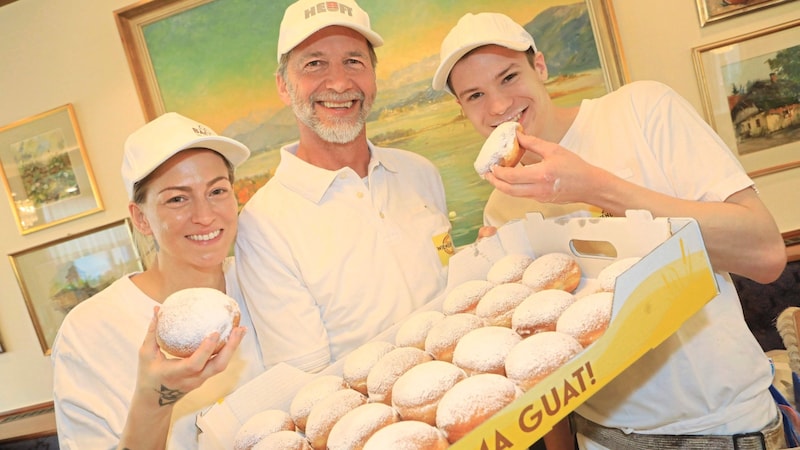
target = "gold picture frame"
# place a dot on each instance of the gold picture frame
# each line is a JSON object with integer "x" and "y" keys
{"x": 743, "y": 81}
{"x": 46, "y": 171}
{"x": 56, "y": 276}
{"x": 184, "y": 57}
{"x": 714, "y": 10}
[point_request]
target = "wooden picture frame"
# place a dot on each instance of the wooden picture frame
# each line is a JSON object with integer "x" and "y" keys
{"x": 184, "y": 58}
{"x": 714, "y": 10}
{"x": 56, "y": 276}
{"x": 747, "y": 84}
{"x": 46, "y": 171}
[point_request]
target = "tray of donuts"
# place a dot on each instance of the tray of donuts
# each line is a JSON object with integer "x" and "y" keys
{"x": 534, "y": 320}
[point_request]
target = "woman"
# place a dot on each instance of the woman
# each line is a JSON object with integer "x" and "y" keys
{"x": 178, "y": 175}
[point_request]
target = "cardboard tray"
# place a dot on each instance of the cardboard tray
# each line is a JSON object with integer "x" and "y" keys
{"x": 671, "y": 282}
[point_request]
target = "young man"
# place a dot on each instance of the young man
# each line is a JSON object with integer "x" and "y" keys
{"x": 641, "y": 147}
{"x": 348, "y": 238}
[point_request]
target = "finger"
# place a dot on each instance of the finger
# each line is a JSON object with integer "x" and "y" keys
{"x": 486, "y": 232}
{"x": 220, "y": 361}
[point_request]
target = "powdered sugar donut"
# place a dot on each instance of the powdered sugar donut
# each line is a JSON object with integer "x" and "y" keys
{"x": 310, "y": 394}
{"x": 388, "y": 369}
{"x": 283, "y": 440}
{"x": 497, "y": 306}
{"x": 464, "y": 297}
{"x": 500, "y": 148}
{"x": 471, "y": 401}
{"x": 553, "y": 271}
{"x": 359, "y": 362}
{"x": 417, "y": 392}
{"x": 484, "y": 350}
{"x": 190, "y": 315}
{"x": 509, "y": 268}
{"x": 259, "y": 426}
{"x": 587, "y": 319}
{"x": 608, "y": 276}
{"x": 354, "y": 428}
{"x": 414, "y": 330}
{"x": 540, "y": 311}
{"x": 327, "y": 412}
{"x": 443, "y": 337}
{"x": 539, "y": 355}
{"x": 407, "y": 434}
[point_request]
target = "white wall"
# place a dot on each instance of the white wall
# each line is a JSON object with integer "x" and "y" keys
{"x": 69, "y": 51}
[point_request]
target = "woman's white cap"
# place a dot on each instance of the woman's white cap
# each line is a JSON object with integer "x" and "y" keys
{"x": 157, "y": 141}
{"x": 476, "y": 30}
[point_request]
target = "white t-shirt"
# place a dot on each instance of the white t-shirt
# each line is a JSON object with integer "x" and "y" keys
{"x": 711, "y": 376}
{"x": 95, "y": 359}
{"x": 328, "y": 260}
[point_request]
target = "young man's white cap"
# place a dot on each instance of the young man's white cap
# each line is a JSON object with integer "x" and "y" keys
{"x": 160, "y": 139}
{"x": 476, "y": 30}
{"x": 305, "y": 17}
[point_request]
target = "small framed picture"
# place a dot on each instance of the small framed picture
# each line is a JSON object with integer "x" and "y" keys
{"x": 714, "y": 10}
{"x": 750, "y": 87}
{"x": 45, "y": 170}
{"x": 56, "y": 276}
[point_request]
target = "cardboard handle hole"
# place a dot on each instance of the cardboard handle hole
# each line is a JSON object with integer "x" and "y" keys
{"x": 593, "y": 249}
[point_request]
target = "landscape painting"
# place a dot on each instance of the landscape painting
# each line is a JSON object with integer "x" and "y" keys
{"x": 226, "y": 80}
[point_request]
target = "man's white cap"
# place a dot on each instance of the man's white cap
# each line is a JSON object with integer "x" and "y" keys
{"x": 305, "y": 17}
{"x": 476, "y": 30}
{"x": 157, "y": 141}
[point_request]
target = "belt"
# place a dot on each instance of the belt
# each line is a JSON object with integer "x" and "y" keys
{"x": 770, "y": 438}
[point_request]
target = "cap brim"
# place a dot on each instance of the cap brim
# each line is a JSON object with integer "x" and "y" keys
{"x": 374, "y": 38}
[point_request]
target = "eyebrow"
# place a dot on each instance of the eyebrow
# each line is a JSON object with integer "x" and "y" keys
{"x": 499, "y": 75}
{"x": 188, "y": 189}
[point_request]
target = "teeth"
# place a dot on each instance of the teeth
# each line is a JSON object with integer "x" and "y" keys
{"x": 337, "y": 105}
{"x": 514, "y": 118}
{"x": 204, "y": 237}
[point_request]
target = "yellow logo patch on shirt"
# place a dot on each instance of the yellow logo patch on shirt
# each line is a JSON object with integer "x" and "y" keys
{"x": 444, "y": 246}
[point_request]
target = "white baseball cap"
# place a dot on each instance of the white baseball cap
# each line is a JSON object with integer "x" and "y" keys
{"x": 476, "y": 30}
{"x": 157, "y": 141}
{"x": 305, "y": 17}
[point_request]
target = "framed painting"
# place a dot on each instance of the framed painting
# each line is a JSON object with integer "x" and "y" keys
{"x": 45, "y": 170}
{"x": 714, "y": 10}
{"x": 56, "y": 276}
{"x": 184, "y": 58}
{"x": 750, "y": 87}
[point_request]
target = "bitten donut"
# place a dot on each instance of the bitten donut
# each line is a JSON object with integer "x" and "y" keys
{"x": 539, "y": 355}
{"x": 414, "y": 330}
{"x": 388, "y": 369}
{"x": 310, "y": 394}
{"x": 417, "y": 392}
{"x": 509, "y": 268}
{"x": 283, "y": 440}
{"x": 354, "y": 428}
{"x": 359, "y": 362}
{"x": 464, "y": 297}
{"x": 497, "y": 306}
{"x": 484, "y": 350}
{"x": 259, "y": 426}
{"x": 407, "y": 434}
{"x": 500, "y": 148}
{"x": 443, "y": 337}
{"x": 553, "y": 271}
{"x": 587, "y": 319}
{"x": 327, "y": 412}
{"x": 540, "y": 311}
{"x": 190, "y": 315}
{"x": 471, "y": 401}
{"x": 608, "y": 276}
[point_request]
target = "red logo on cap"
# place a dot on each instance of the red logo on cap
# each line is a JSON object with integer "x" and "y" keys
{"x": 328, "y": 7}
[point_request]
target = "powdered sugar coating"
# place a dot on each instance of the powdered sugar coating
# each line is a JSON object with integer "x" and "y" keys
{"x": 540, "y": 311}
{"x": 471, "y": 401}
{"x": 310, "y": 394}
{"x": 496, "y": 147}
{"x": 259, "y": 426}
{"x": 283, "y": 440}
{"x": 359, "y": 362}
{"x": 327, "y": 412}
{"x": 497, "y": 306}
{"x": 484, "y": 350}
{"x": 443, "y": 336}
{"x": 608, "y": 276}
{"x": 413, "y": 331}
{"x": 465, "y": 297}
{"x": 190, "y": 315}
{"x": 509, "y": 268}
{"x": 539, "y": 355}
{"x": 407, "y": 435}
{"x": 587, "y": 318}
{"x": 417, "y": 392}
{"x": 354, "y": 428}
{"x": 388, "y": 369}
{"x": 552, "y": 271}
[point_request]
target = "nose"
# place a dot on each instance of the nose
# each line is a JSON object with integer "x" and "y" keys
{"x": 203, "y": 211}
{"x": 338, "y": 78}
{"x": 499, "y": 104}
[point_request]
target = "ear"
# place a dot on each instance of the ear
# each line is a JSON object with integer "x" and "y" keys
{"x": 283, "y": 92}
{"x": 139, "y": 220}
{"x": 540, "y": 66}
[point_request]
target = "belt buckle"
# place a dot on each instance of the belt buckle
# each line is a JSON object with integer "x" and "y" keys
{"x": 755, "y": 434}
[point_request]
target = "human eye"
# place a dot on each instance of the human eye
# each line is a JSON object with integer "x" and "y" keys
{"x": 510, "y": 77}
{"x": 474, "y": 96}
{"x": 175, "y": 200}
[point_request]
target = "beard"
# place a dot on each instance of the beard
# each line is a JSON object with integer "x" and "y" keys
{"x": 339, "y": 130}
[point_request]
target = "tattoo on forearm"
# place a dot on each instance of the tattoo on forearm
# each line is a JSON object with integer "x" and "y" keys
{"x": 169, "y": 396}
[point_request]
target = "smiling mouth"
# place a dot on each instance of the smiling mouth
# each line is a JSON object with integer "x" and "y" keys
{"x": 204, "y": 237}
{"x": 515, "y": 118}
{"x": 338, "y": 105}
